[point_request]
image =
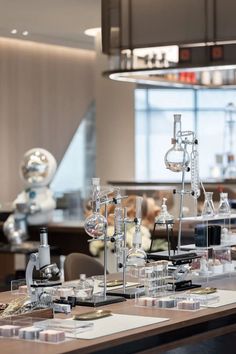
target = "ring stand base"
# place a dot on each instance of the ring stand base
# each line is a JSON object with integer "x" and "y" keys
{"x": 184, "y": 285}
{"x": 97, "y": 301}
{"x": 176, "y": 258}
{"x": 129, "y": 292}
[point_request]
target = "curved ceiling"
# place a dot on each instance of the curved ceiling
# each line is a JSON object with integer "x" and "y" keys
{"x": 60, "y": 22}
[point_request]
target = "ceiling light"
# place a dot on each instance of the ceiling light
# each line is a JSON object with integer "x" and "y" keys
{"x": 25, "y": 33}
{"x": 92, "y": 32}
{"x": 14, "y": 31}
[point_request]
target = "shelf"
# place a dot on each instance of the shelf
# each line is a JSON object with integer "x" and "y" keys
{"x": 204, "y": 219}
{"x": 192, "y": 246}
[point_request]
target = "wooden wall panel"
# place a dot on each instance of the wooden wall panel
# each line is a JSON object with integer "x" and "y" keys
{"x": 44, "y": 92}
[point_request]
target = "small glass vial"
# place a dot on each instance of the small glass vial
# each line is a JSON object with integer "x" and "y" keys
{"x": 208, "y": 207}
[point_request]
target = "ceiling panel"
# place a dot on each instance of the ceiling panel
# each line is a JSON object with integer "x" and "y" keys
{"x": 51, "y": 21}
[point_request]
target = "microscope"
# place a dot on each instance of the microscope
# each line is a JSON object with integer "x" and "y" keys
{"x": 41, "y": 261}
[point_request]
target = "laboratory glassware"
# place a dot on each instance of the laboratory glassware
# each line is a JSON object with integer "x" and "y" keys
{"x": 208, "y": 206}
{"x": 177, "y": 158}
{"x": 96, "y": 224}
{"x": 136, "y": 256}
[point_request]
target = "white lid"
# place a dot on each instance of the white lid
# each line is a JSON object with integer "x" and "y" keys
{"x": 95, "y": 181}
{"x": 177, "y": 117}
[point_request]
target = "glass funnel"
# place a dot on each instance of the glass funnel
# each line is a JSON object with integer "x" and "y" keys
{"x": 224, "y": 207}
{"x": 208, "y": 206}
{"x": 95, "y": 224}
{"x": 177, "y": 158}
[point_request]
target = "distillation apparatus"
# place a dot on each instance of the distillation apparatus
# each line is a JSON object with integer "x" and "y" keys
{"x": 42, "y": 262}
{"x": 96, "y": 226}
{"x": 135, "y": 257}
{"x": 178, "y": 159}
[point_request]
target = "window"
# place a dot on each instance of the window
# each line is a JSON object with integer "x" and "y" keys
{"x": 203, "y": 111}
{"x": 74, "y": 172}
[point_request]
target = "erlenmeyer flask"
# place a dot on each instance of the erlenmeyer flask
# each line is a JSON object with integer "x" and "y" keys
{"x": 177, "y": 158}
{"x": 95, "y": 224}
{"x": 224, "y": 207}
{"x": 208, "y": 206}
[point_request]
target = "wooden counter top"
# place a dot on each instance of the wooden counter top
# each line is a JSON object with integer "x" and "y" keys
{"x": 184, "y": 327}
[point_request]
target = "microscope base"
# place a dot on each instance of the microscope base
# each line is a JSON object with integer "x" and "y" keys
{"x": 97, "y": 301}
{"x": 45, "y": 284}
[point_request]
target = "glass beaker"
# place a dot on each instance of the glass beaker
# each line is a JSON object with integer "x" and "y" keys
{"x": 224, "y": 207}
{"x": 208, "y": 206}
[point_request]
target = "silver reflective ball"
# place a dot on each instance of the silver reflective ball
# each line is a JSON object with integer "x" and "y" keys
{"x": 37, "y": 167}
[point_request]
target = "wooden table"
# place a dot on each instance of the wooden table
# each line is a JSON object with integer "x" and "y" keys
{"x": 184, "y": 327}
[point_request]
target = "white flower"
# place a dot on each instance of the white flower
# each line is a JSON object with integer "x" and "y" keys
{"x": 96, "y": 247}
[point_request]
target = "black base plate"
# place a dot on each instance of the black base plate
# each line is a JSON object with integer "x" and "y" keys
{"x": 97, "y": 301}
{"x": 129, "y": 292}
{"x": 184, "y": 285}
{"x": 176, "y": 258}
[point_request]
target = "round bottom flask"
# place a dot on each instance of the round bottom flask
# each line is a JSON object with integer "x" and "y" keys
{"x": 95, "y": 225}
{"x": 136, "y": 258}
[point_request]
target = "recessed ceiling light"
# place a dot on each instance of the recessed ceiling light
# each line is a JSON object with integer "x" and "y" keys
{"x": 14, "y": 31}
{"x": 92, "y": 31}
{"x": 25, "y": 33}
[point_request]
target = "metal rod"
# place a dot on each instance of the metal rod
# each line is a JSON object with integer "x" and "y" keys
{"x": 105, "y": 258}
{"x": 124, "y": 251}
{"x": 168, "y": 237}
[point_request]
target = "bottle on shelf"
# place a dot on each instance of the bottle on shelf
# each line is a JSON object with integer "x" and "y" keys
{"x": 206, "y": 78}
{"x": 230, "y": 171}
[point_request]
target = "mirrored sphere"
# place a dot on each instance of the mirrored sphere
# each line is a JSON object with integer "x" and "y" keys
{"x": 37, "y": 166}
